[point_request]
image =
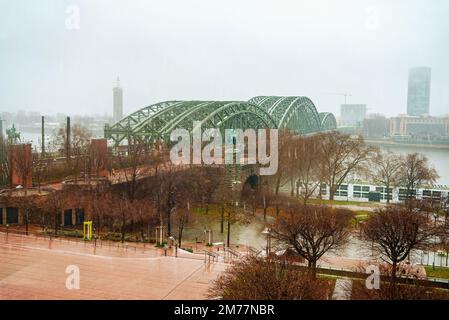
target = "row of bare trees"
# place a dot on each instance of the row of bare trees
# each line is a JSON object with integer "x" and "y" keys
{"x": 410, "y": 171}
{"x": 307, "y": 162}
{"x": 311, "y": 231}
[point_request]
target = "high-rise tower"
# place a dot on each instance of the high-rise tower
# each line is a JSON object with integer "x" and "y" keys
{"x": 418, "y": 97}
{"x": 118, "y": 102}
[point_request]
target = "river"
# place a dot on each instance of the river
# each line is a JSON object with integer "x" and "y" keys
{"x": 438, "y": 158}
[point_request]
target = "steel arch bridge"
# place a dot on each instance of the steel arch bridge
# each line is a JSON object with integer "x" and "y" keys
{"x": 327, "y": 121}
{"x": 158, "y": 120}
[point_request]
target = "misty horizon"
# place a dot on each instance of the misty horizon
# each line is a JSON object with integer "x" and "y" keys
{"x": 217, "y": 50}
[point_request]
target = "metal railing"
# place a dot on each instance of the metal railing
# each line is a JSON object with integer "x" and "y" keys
{"x": 253, "y": 251}
{"x": 96, "y": 242}
{"x": 209, "y": 254}
{"x": 231, "y": 253}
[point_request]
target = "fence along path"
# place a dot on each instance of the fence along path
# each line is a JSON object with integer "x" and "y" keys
{"x": 110, "y": 248}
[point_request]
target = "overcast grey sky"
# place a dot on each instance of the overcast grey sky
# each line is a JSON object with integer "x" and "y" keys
{"x": 223, "y": 50}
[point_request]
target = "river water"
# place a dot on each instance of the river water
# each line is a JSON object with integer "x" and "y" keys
{"x": 438, "y": 158}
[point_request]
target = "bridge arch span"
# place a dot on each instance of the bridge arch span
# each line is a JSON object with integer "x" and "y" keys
{"x": 296, "y": 113}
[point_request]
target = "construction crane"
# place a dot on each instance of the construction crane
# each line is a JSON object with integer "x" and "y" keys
{"x": 346, "y": 95}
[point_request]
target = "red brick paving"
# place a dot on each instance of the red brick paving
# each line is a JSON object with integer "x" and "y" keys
{"x": 32, "y": 269}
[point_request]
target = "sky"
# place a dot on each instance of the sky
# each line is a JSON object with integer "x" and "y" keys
{"x": 64, "y": 56}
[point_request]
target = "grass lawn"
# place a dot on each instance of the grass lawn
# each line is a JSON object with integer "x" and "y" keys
{"x": 439, "y": 272}
{"x": 359, "y": 216}
{"x": 213, "y": 211}
{"x": 338, "y": 202}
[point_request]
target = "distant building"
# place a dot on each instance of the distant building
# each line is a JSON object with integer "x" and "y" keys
{"x": 376, "y": 126}
{"x": 359, "y": 191}
{"x": 117, "y": 103}
{"x": 352, "y": 115}
{"x": 418, "y": 96}
{"x": 420, "y": 128}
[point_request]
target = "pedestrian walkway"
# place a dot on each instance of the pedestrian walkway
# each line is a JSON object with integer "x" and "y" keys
{"x": 31, "y": 269}
{"x": 342, "y": 290}
{"x": 78, "y": 246}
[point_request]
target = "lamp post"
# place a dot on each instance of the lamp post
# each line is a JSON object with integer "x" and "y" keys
{"x": 160, "y": 235}
{"x": 267, "y": 232}
{"x": 176, "y": 245}
{"x": 434, "y": 242}
{"x": 208, "y": 232}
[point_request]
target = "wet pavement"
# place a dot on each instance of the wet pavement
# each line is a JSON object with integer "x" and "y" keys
{"x": 29, "y": 269}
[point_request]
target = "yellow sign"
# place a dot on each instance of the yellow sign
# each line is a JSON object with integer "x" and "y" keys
{"x": 87, "y": 228}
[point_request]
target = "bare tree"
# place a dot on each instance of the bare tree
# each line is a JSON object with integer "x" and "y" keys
{"x": 225, "y": 193}
{"x": 4, "y": 162}
{"x": 133, "y": 167}
{"x": 415, "y": 290}
{"x": 228, "y": 196}
{"x": 261, "y": 279}
{"x": 307, "y": 155}
{"x": 167, "y": 194}
{"x": 122, "y": 207}
{"x": 182, "y": 217}
{"x": 145, "y": 215}
{"x": 79, "y": 140}
{"x": 79, "y": 147}
{"x": 186, "y": 188}
{"x": 28, "y": 205}
{"x": 97, "y": 161}
{"x": 22, "y": 162}
{"x": 285, "y": 156}
{"x": 55, "y": 203}
{"x": 385, "y": 170}
{"x": 341, "y": 155}
{"x": 312, "y": 231}
{"x": 394, "y": 233}
{"x": 100, "y": 204}
{"x": 40, "y": 169}
{"x": 415, "y": 170}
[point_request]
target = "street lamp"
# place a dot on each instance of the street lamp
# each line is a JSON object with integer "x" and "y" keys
{"x": 176, "y": 245}
{"x": 435, "y": 215}
{"x": 160, "y": 234}
{"x": 267, "y": 232}
{"x": 208, "y": 232}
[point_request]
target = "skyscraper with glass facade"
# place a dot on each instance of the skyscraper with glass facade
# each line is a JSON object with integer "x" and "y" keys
{"x": 418, "y": 97}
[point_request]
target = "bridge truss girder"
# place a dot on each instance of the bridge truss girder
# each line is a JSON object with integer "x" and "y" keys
{"x": 328, "y": 121}
{"x": 292, "y": 112}
{"x": 167, "y": 116}
{"x": 159, "y": 120}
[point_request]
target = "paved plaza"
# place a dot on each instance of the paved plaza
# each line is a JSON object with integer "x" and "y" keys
{"x": 32, "y": 268}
